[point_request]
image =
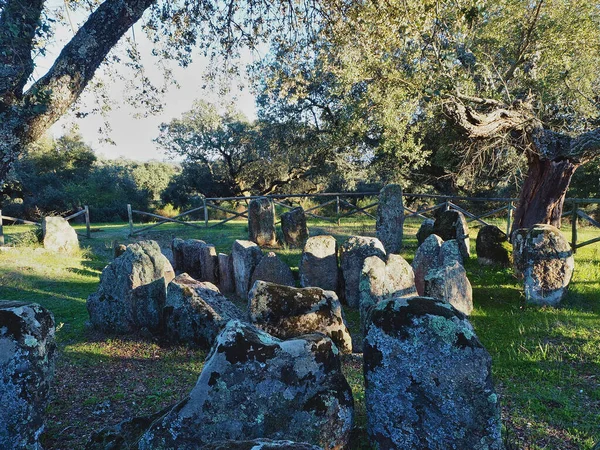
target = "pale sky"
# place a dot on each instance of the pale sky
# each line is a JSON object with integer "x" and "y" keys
{"x": 133, "y": 136}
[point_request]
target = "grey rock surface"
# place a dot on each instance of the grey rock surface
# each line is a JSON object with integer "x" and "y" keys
{"x": 177, "y": 248}
{"x": 58, "y": 235}
{"x": 426, "y": 258}
{"x": 450, "y": 284}
{"x": 245, "y": 255}
{"x": 450, "y": 253}
{"x": 452, "y": 225}
{"x": 353, "y": 253}
{"x": 195, "y": 312}
{"x": 261, "y": 222}
{"x": 256, "y": 386}
{"x": 191, "y": 254}
{"x": 286, "y": 312}
{"x": 390, "y": 218}
{"x": 27, "y": 352}
{"x": 492, "y": 247}
{"x": 381, "y": 280}
{"x": 259, "y": 444}
{"x": 132, "y": 291}
{"x": 293, "y": 227}
{"x": 319, "y": 263}
{"x": 518, "y": 245}
{"x": 425, "y": 230}
{"x": 271, "y": 268}
{"x": 226, "y": 277}
{"x": 428, "y": 379}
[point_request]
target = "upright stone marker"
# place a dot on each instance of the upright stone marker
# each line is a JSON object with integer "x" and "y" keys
{"x": 59, "y": 236}
{"x": 272, "y": 269}
{"x": 246, "y": 255}
{"x": 261, "y": 222}
{"x": 293, "y": 227}
{"x": 390, "y": 218}
{"x": 452, "y": 225}
{"x": 319, "y": 265}
{"x": 226, "y": 277}
{"x": 426, "y": 258}
{"x": 492, "y": 247}
{"x": 425, "y": 230}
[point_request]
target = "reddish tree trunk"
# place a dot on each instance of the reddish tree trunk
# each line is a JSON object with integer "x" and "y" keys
{"x": 543, "y": 192}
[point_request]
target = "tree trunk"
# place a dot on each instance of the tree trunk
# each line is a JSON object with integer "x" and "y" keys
{"x": 543, "y": 192}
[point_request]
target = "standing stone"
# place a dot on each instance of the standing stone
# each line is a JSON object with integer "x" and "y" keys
{"x": 380, "y": 280}
{"x": 272, "y": 269}
{"x": 425, "y": 230}
{"x": 450, "y": 253}
{"x": 226, "y": 278}
{"x": 353, "y": 253}
{"x": 390, "y": 218}
{"x": 59, "y": 236}
{"x": 426, "y": 258}
{"x": 195, "y": 312}
{"x": 450, "y": 284}
{"x": 492, "y": 247}
{"x": 549, "y": 265}
{"x": 261, "y": 222}
{"x": 518, "y": 244}
{"x": 27, "y": 351}
{"x": 255, "y": 386}
{"x": 319, "y": 264}
{"x": 209, "y": 264}
{"x": 245, "y": 255}
{"x": 132, "y": 291}
{"x": 452, "y": 225}
{"x": 293, "y": 227}
{"x": 191, "y": 250}
{"x": 428, "y": 382}
{"x": 177, "y": 248}
{"x": 286, "y": 312}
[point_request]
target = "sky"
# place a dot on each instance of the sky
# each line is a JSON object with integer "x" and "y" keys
{"x": 133, "y": 137}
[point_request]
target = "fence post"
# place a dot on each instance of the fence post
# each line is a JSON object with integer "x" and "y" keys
{"x": 205, "y": 212}
{"x": 1, "y": 230}
{"x": 447, "y": 205}
{"x": 574, "y": 227}
{"x": 509, "y": 219}
{"x": 337, "y": 209}
{"x": 130, "y": 215}
{"x": 87, "y": 222}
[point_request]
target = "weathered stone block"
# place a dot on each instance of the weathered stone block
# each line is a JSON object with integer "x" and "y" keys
{"x": 425, "y": 230}
{"x": 450, "y": 284}
{"x": 293, "y": 227}
{"x": 226, "y": 277}
{"x": 58, "y": 235}
{"x": 245, "y": 255}
{"x": 390, "y": 218}
{"x": 319, "y": 264}
{"x": 261, "y": 222}
{"x": 426, "y": 258}
{"x": 272, "y": 269}
{"x": 452, "y": 225}
{"x": 492, "y": 247}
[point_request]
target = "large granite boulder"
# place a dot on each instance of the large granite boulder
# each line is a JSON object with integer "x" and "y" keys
{"x": 272, "y": 269}
{"x": 259, "y": 444}
{"x": 245, "y": 255}
{"x": 452, "y": 225}
{"x": 426, "y": 258}
{"x": 293, "y": 227}
{"x": 353, "y": 253}
{"x": 428, "y": 379}
{"x": 261, "y": 222}
{"x": 425, "y": 230}
{"x": 226, "y": 277}
{"x": 286, "y": 312}
{"x": 390, "y": 218}
{"x": 58, "y": 235}
{"x": 195, "y": 311}
{"x": 132, "y": 291}
{"x": 381, "y": 280}
{"x": 27, "y": 351}
{"x": 450, "y": 284}
{"x": 492, "y": 247}
{"x": 319, "y": 263}
{"x": 256, "y": 386}
{"x": 548, "y": 264}
{"x": 518, "y": 250}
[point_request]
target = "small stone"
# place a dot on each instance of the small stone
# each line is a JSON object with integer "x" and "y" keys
{"x": 452, "y": 225}
{"x": 319, "y": 264}
{"x": 450, "y": 284}
{"x": 492, "y": 247}
{"x": 426, "y": 258}
{"x": 271, "y": 268}
{"x": 245, "y": 255}
{"x": 286, "y": 312}
{"x": 59, "y": 236}
{"x": 293, "y": 227}
{"x": 390, "y": 218}
{"x": 226, "y": 278}
{"x": 261, "y": 222}
{"x": 518, "y": 244}
{"x": 425, "y": 230}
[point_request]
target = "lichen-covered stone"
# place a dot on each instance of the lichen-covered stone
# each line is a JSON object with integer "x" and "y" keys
{"x": 261, "y": 222}
{"x": 286, "y": 312}
{"x": 178, "y": 259}
{"x": 58, "y": 235}
{"x": 191, "y": 254}
{"x": 549, "y": 265}
{"x": 293, "y": 227}
{"x": 450, "y": 284}
{"x": 492, "y": 247}
{"x": 452, "y": 225}
{"x": 518, "y": 245}
{"x": 450, "y": 253}
{"x": 256, "y": 386}
{"x": 426, "y": 258}
{"x": 195, "y": 311}
{"x": 425, "y": 230}
{"x": 428, "y": 379}
{"x": 27, "y": 351}
{"x": 271, "y": 268}
{"x": 259, "y": 444}
{"x": 245, "y": 255}
{"x": 132, "y": 291}
{"x": 319, "y": 263}
{"x": 381, "y": 280}
{"x": 226, "y": 278}
{"x": 390, "y": 218}
{"x": 353, "y": 253}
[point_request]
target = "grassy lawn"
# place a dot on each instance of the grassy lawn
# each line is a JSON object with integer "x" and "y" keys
{"x": 546, "y": 361}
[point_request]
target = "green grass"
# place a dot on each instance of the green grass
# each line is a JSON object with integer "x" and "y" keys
{"x": 546, "y": 361}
